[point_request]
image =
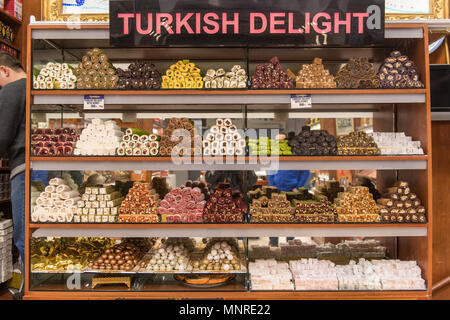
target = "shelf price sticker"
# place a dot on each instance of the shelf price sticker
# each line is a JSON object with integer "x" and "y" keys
{"x": 301, "y": 101}
{"x": 94, "y": 102}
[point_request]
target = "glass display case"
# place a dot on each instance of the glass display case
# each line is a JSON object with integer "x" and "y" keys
{"x": 360, "y": 158}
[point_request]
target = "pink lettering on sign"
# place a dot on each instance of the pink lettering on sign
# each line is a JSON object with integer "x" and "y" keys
{"x": 166, "y": 24}
{"x": 307, "y": 22}
{"x": 198, "y": 23}
{"x": 139, "y": 24}
{"x": 326, "y": 24}
{"x": 207, "y": 18}
{"x": 274, "y": 22}
{"x": 253, "y": 17}
{"x": 291, "y": 28}
{"x": 338, "y": 23}
{"x": 126, "y": 17}
{"x": 183, "y": 23}
{"x": 226, "y": 22}
{"x": 361, "y": 16}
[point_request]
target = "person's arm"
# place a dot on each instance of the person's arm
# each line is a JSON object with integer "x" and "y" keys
{"x": 11, "y": 113}
{"x": 303, "y": 178}
{"x": 271, "y": 178}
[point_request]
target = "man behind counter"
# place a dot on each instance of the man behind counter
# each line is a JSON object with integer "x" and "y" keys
{"x": 12, "y": 138}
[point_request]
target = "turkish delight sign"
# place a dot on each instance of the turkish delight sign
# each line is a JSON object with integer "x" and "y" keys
{"x": 246, "y": 23}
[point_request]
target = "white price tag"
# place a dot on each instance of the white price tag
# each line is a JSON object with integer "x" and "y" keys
{"x": 94, "y": 102}
{"x": 301, "y": 101}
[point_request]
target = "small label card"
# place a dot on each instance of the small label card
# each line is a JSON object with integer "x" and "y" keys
{"x": 301, "y": 101}
{"x": 94, "y": 102}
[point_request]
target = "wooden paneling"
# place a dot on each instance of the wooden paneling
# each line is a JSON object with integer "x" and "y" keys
{"x": 268, "y": 295}
{"x": 440, "y": 56}
{"x": 29, "y": 8}
{"x": 441, "y": 202}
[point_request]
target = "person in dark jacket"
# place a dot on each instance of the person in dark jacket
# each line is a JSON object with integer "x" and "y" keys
{"x": 12, "y": 138}
{"x": 287, "y": 180}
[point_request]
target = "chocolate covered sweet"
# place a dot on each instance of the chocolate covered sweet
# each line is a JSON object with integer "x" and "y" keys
{"x": 54, "y": 142}
{"x": 331, "y": 190}
{"x": 124, "y": 256}
{"x": 357, "y": 205}
{"x": 140, "y": 205}
{"x": 400, "y": 204}
{"x": 271, "y": 75}
{"x": 181, "y": 138}
{"x": 225, "y": 205}
{"x": 313, "y": 143}
{"x": 161, "y": 187}
{"x": 398, "y": 72}
{"x": 358, "y": 73}
{"x": 96, "y": 71}
{"x": 139, "y": 75}
{"x": 314, "y": 75}
{"x": 357, "y": 143}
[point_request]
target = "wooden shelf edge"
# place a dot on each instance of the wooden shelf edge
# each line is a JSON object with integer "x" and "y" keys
{"x": 9, "y": 45}
{"x": 207, "y": 159}
{"x": 267, "y": 295}
{"x": 226, "y": 92}
{"x": 9, "y": 18}
{"x": 222, "y": 226}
